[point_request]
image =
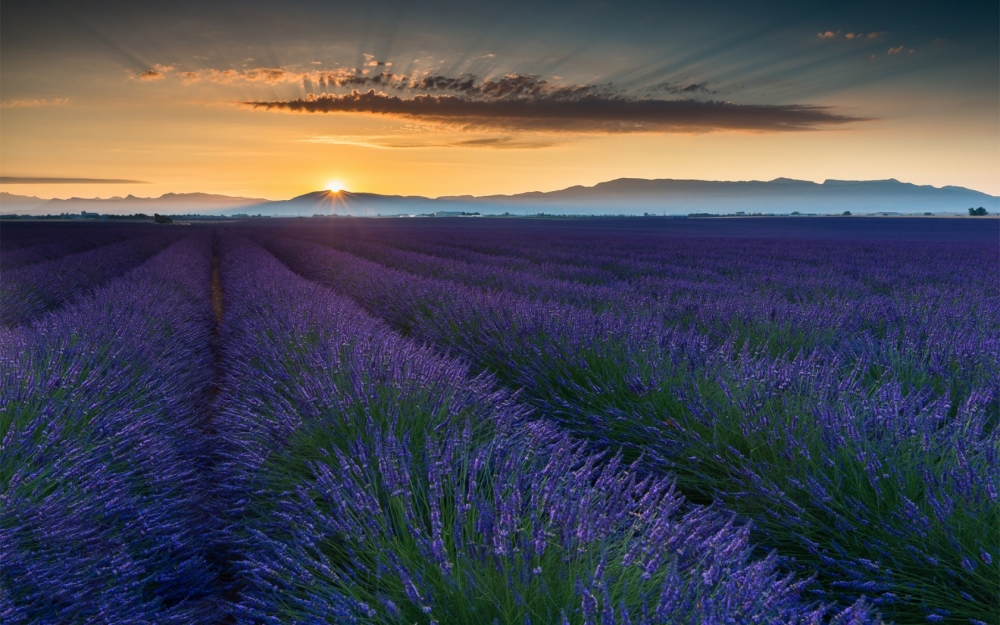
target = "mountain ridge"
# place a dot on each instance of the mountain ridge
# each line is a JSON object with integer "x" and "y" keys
{"x": 180, "y": 202}
{"x": 617, "y": 196}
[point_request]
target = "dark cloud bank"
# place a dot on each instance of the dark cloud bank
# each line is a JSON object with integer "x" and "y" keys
{"x": 517, "y": 102}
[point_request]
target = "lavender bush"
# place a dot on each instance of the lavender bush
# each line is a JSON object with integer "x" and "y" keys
{"x": 379, "y": 484}
{"x": 452, "y": 421}
{"x": 103, "y": 512}
{"x": 29, "y": 291}
{"x": 834, "y": 412}
{"x": 26, "y": 243}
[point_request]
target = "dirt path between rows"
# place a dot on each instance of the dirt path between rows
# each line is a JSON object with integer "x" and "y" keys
{"x": 220, "y": 555}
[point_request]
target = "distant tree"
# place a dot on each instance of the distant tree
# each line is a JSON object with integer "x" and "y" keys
{"x": 162, "y": 219}
{"x": 796, "y": 213}
{"x": 978, "y": 212}
{"x": 846, "y": 213}
{"x": 928, "y": 214}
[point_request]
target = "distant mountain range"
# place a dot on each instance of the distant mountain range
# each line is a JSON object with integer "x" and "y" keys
{"x": 168, "y": 203}
{"x": 621, "y": 196}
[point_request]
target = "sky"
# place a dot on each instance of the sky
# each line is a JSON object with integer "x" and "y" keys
{"x": 274, "y": 100}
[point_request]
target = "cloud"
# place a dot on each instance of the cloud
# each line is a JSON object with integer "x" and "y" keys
{"x": 502, "y": 143}
{"x": 270, "y": 75}
{"x": 682, "y": 89}
{"x": 33, "y": 102}
{"x": 506, "y": 85}
{"x": 852, "y": 36}
{"x": 518, "y": 101}
{"x": 396, "y": 143}
{"x": 521, "y": 106}
{"x": 895, "y": 50}
{"x": 44, "y": 180}
{"x": 158, "y": 72}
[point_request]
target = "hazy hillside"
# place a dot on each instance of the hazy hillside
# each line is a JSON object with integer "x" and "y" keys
{"x": 621, "y": 196}
{"x": 168, "y": 203}
{"x": 672, "y": 197}
{"x": 11, "y": 203}
{"x": 343, "y": 203}
{"x": 782, "y": 195}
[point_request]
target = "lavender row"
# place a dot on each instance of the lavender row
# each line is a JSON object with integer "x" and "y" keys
{"x": 794, "y": 294}
{"x": 376, "y": 482}
{"x": 893, "y": 302}
{"x": 28, "y": 292}
{"x": 104, "y": 513}
{"x": 17, "y": 235}
{"x": 606, "y": 250}
{"x": 889, "y": 489}
{"x": 43, "y": 242}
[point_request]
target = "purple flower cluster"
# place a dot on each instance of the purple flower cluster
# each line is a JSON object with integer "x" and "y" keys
{"x": 510, "y": 421}
{"x": 26, "y": 243}
{"x": 28, "y": 291}
{"x": 374, "y": 480}
{"x": 844, "y": 395}
{"x": 103, "y": 511}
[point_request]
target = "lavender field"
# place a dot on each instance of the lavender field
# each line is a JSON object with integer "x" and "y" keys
{"x": 621, "y": 420}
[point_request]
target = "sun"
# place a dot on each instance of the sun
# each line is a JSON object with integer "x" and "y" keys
{"x": 334, "y": 186}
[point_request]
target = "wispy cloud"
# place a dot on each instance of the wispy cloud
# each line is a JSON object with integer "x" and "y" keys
{"x": 47, "y": 180}
{"x": 33, "y": 102}
{"x": 682, "y": 88}
{"x": 395, "y": 142}
{"x": 852, "y": 36}
{"x": 382, "y": 78}
{"x": 269, "y": 75}
{"x": 157, "y": 72}
{"x": 513, "y": 104}
{"x": 896, "y": 50}
{"x": 503, "y": 143}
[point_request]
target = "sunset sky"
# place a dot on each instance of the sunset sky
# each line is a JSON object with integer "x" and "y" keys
{"x": 277, "y": 99}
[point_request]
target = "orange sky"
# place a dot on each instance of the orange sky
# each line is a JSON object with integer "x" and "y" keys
{"x": 923, "y": 123}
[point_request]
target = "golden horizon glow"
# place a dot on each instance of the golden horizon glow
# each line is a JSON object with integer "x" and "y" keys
{"x": 262, "y": 156}
{"x": 197, "y": 101}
